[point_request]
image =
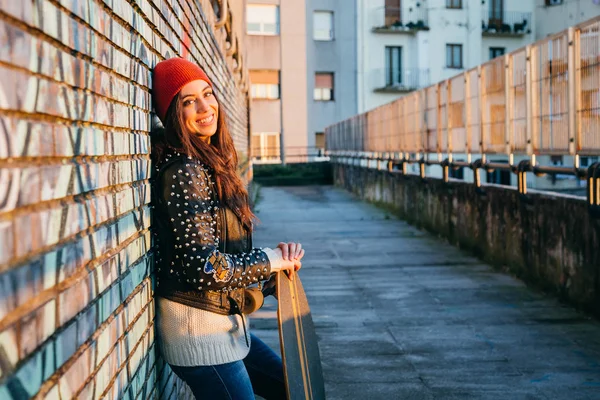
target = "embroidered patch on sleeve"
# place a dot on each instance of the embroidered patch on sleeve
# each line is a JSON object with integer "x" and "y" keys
{"x": 220, "y": 266}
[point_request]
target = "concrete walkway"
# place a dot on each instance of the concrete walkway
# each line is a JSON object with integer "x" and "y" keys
{"x": 401, "y": 314}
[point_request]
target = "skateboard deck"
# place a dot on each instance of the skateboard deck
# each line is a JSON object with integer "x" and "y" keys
{"x": 298, "y": 340}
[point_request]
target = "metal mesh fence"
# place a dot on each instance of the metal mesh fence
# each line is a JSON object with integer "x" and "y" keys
{"x": 540, "y": 99}
{"x": 456, "y": 115}
{"x": 473, "y": 116}
{"x": 431, "y": 118}
{"x": 588, "y": 72}
{"x": 517, "y": 101}
{"x": 493, "y": 106}
{"x": 550, "y": 95}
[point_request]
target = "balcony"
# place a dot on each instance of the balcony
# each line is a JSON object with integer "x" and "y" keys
{"x": 399, "y": 19}
{"x": 499, "y": 23}
{"x": 386, "y": 80}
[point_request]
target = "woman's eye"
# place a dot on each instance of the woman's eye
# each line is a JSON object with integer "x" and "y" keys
{"x": 188, "y": 102}
{"x": 208, "y": 94}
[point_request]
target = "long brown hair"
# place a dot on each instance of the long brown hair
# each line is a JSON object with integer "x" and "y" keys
{"x": 220, "y": 156}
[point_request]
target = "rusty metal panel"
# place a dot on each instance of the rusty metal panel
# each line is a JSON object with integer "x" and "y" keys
{"x": 588, "y": 71}
{"x": 397, "y": 126}
{"x": 369, "y": 131}
{"x": 411, "y": 142}
{"x": 549, "y": 64}
{"x": 443, "y": 144}
{"x": 518, "y": 101}
{"x": 473, "y": 111}
{"x": 75, "y": 248}
{"x": 432, "y": 140}
{"x": 493, "y": 103}
{"x": 456, "y": 115}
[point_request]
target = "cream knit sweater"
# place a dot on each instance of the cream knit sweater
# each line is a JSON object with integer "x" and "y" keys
{"x": 192, "y": 337}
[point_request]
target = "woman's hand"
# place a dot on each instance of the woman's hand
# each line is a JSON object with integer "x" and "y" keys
{"x": 291, "y": 251}
{"x": 288, "y": 265}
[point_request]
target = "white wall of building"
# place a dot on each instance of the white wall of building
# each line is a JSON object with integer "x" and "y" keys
{"x": 426, "y": 50}
{"x": 555, "y": 18}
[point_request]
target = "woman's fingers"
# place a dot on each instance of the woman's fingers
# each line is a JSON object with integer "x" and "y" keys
{"x": 291, "y": 250}
{"x": 284, "y": 250}
{"x": 297, "y": 250}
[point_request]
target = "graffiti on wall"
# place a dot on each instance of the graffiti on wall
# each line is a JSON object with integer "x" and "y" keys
{"x": 76, "y": 305}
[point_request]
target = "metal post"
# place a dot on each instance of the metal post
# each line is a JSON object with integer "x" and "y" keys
{"x": 528, "y": 99}
{"x": 468, "y": 130}
{"x": 508, "y": 69}
{"x": 448, "y": 119}
{"x": 480, "y": 103}
{"x": 445, "y": 170}
{"x": 439, "y": 118}
{"x": 572, "y": 68}
{"x": 422, "y": 166}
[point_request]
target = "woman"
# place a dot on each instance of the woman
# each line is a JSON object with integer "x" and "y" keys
{"x": 204, "y": 256}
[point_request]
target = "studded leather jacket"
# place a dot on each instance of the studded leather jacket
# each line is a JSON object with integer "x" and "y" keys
{"x": 204, "y": 255}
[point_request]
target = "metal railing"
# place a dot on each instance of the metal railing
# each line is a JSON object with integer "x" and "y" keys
{"x": 399, "y": 19}
{"x": 542, "y": 99}
{"x": 500, "y": 22}
{"x": 292, "y": 154}
{"x": 399, "y": 80}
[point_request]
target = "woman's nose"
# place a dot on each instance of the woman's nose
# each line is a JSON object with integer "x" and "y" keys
{"x": 202, "y": 105}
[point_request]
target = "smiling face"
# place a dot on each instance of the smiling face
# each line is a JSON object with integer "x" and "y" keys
{"x": 199, "y": 109}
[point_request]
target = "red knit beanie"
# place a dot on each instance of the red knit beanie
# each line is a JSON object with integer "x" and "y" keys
{"x": 169, "y": 77}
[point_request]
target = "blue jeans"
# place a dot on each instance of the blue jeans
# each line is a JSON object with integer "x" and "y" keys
{"x": 261, "y": 372}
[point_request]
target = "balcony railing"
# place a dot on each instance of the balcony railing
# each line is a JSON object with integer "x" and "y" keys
{"x": 386, "y": 80}
{"x": 292, "y": 154}
{"x": 505, "y": 23}
{"x": 399, "y": 19}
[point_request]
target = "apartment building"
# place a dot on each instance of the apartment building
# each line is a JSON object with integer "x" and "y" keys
{"x": 556, "y": 15}
{"x": 302, "y": 63}
{"x": 405, "y": 45}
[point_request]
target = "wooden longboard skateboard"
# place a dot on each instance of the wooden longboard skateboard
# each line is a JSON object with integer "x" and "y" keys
{"x": 298, "y": 340}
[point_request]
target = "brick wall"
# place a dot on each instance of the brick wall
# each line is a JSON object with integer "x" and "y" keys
{"x": 76, "y": 299}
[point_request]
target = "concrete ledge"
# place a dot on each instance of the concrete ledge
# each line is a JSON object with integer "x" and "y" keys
{"x": 548, "y": 240}
{"x": 293, "y": 174}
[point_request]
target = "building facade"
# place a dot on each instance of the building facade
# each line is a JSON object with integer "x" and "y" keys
{"x": 556, "y": 15}
{"x": 405, "y": 45}
{"x": 302, "y": 62}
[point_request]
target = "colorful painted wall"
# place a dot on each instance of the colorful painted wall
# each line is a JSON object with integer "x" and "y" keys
{"x": 76, "y": 298}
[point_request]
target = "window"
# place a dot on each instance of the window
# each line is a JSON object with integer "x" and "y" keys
{"x": 393, "y": 13}
{"x": 265, "y": 84}
{"x": 453, "y": 3}
{"x": 393, "y": 66}
{"x": 323, "y": 25}
{"x": 553, "y": 2}
{"x": 454, "y": 56}
{"x": 585, "y": 162}
{"x": 323, "y": 86}
{"x": 262, "y": 19}
{"x": 266, "y": 146}
{"x": 496, "y": 52}
{"x": 320, "y": 143}
{"x": 496, "y": 12}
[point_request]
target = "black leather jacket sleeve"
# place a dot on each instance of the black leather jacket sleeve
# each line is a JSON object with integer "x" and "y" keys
{"x": 193, "y": 216}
